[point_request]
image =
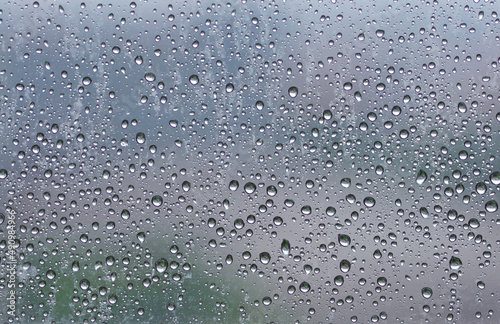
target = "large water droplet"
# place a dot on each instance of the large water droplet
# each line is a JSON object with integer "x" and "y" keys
{"x": 344, "y": 239}
{"x": 304, "y": 287}
{"x": 194, "y": 79}
{"x": 426, "y": 292}
{"x": 150, "y": 77}
{"x": 233, "y": 185}
{"x": 249, "y": 187}
{"x": 421, "y": 177}
{"x": 264, "y": 257}
{"x": 285, "y": 247}
{"x": 157, "y": 201}
{"x": 161, "y": 265}
{"x": 491, "y": 206}
{"x": 345, "y": 266}
{"x": 455, "y": 263}
{"x": 495, "y": 178}
{"x": 293, "y": 92}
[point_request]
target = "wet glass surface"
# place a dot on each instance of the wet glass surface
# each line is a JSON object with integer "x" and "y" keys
{"x": 249, "y": 162}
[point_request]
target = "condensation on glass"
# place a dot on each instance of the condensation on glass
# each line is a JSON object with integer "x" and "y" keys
{"x": 250, "y": 161}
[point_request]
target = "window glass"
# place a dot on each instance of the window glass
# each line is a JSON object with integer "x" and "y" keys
{"x": 249, "y": 161}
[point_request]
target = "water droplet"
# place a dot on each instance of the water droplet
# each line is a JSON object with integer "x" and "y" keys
{"x": 86, "y": 81}
{"x": 331, "y": 211}
{"x": 271, "y": 191}
{"x": 150, "y": 77}
{"x": 380, "y": 87}
{"x": 344, "y": 239}
{"x": 84, "y": 284}
{"x": 494, "y": 178}
{"x": 345, "y": 182}
{"x": 3, "y": 173}
{"x": 140, "y": 138}
{"x": 304, "y": 287}
{"x": 396, "y": 110}
{"x": 345, "y": 266}
{"x": 426, "y": 292}
{"x": 424, "y": 212}
{"x": 421, "y": 177}
{"x": 234, "y": 185}
{"x": 265, "y": 258}
{"x": 285, "y": 247}
{"x": 462, "y": 108}
{"x": 306, "y": 210}
{"x": 161, "y": 265}
{"x": 194, "y": 79}
{"x": 338, "y": 280}
{"x": 491, "y": 206}
{"x": 293, "y": 92}
{"x": 186, "y": 186}
{"x": 239, "y": 223}
{"x": 138, "y": 60}
{"x": 250, "y": 187}
{"x": 455, "y": 263}
{"x": 157, "y": 201}
{"x": 369, "y": 202}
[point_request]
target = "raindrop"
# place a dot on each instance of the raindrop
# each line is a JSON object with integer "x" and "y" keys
{"x": 462, "y": 108}
{"x": 494, "y": 178}
{"x": 455, "y": 263}
{"x": 306, "y": 210}
{"x": 293, "y": 92}
{"x": 421, "y": 177}
{"x": 330, "y": 211}
{"x": 161, "y": 265}
{"x": 491, "y": 206}
{"x": 369, "y": 202}
{"x": 84, "y": 284}
{"x": 233, "y": 185}
{"x": 426, "y": 292}
{"x": 194, "y": 79}
{"x": 87, "y": 81}
{"x": 150, "y": 77}
{"x": 345, "y": 182}
{"x": 157, "y": 201}
{"x": 271, "y": 191}
{"x": 304, "y": 287}
{"x": 264, "y": 257}
{"x": 186, "y": 186}
{"x": 344, "y": 239}
{"x": 250, "y": 187}
{"x": 285, "y": 247}
{"x": 140, "y": 138}
{"x": 345, "y": 266}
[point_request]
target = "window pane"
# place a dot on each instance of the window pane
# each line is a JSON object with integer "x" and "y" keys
{"x": 249, "y": 162}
